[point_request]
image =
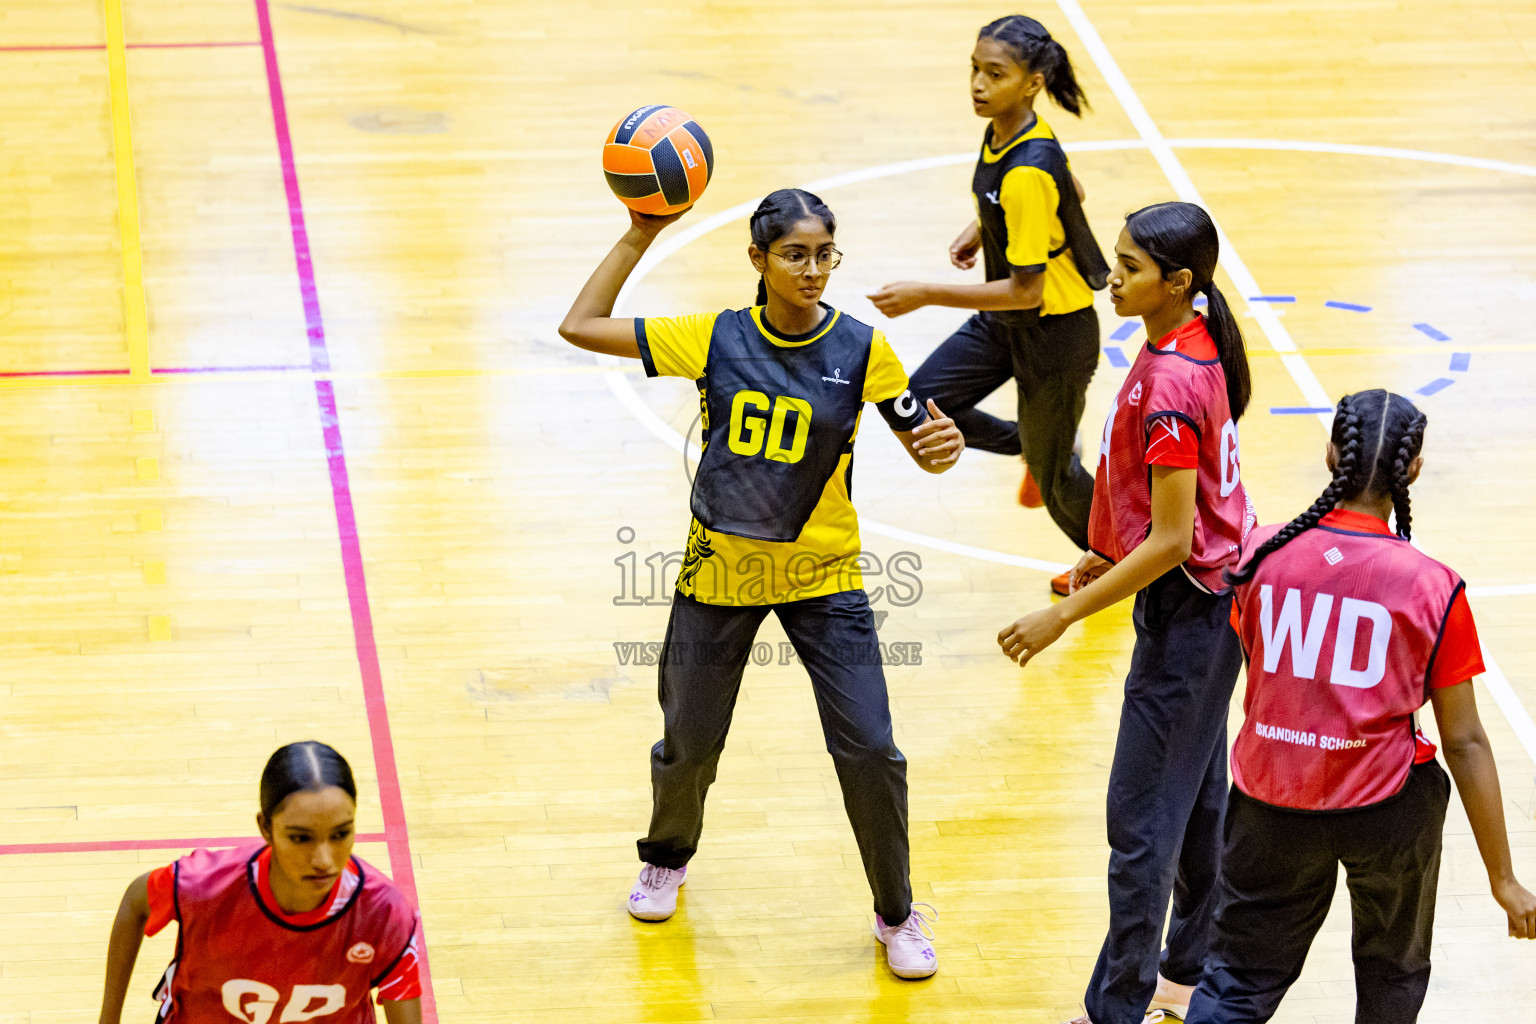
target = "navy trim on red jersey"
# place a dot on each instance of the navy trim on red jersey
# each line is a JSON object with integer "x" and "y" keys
{"x": 1100, "y": 554}
{"x": 176, "y": 903}
{"x": 415, "y": 921}
{"x": 645, "y": 347}
{"x": 1151, "y": 416}
{"x": 1360, "y": 533}
{"x": 1175, "y": 352}
{"x": 250, "y": 881}
{"x": 1429, "y": 669}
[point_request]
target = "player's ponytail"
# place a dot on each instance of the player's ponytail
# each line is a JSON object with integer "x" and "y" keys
{"x": 1223, "y": 329}
{"x": 302, "y": 768}
{"x": 1376, "y": 436}
{"x": 1182, "y": 236}
{"x": 777, "y": 215}
{"x": 1034, "y": 49}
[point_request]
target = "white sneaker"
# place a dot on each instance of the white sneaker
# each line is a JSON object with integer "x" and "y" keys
{"x": 654, "y": 897}
{"x": 1154, "y": 1017}
{"x": 909, "y": 945}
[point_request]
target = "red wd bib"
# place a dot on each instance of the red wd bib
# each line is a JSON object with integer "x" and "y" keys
{"x": 1342, "y": 629}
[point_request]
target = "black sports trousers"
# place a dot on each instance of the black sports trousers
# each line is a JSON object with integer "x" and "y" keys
{"x": 702, "y": 661}
{"x": 1278, "y": 872}
{"x": 1167, "y": 795}
{"x": 1051, "y": 360}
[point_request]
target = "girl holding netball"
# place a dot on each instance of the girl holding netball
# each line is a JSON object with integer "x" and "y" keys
{"x": 782, "y": 385}
{"x": 292, "y": 929}
{"x": 1035, "y": 320}
{"x": 1169, "y": 514}
{"x": 1349, "y": 631}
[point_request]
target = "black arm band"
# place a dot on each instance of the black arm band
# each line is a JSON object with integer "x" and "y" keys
{"x": 904, "y": 412}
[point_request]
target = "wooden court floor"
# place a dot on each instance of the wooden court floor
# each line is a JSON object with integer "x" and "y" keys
{"x": 292, "y": 450}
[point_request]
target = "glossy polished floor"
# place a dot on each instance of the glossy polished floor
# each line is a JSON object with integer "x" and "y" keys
{"x": 292, "y": 450}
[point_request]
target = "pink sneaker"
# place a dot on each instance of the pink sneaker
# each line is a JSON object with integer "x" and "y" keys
{"x": 909, "y": 945}
{"x": 654, "y": 897}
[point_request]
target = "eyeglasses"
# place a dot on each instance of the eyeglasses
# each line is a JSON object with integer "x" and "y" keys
{"x": 797, "y": 260}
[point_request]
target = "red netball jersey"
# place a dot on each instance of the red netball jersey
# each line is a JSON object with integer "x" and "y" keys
{"x": 238, "y": 955}
{"x": 1347, "y": 629}
{"x": 1177, "y": 390}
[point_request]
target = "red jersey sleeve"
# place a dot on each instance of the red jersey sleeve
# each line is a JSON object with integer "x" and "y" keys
{"x": 1459, "y": 656}
{"x": 403, "y": 980}
{"x": 162, "y": 899}
{"x": 1172, "y": 442}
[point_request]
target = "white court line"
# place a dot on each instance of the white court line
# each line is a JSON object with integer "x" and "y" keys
{"x": 1162, "y": 152}
{"x": 1279, "y": 339}
{"x": 1511, "y": 590}
{"x": 1350, "y": 149}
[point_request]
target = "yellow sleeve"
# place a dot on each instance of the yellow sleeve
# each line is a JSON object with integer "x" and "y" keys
{"x": 1029, "y": 199}
{"x": 885, "y": 377}
{"x": 675, "y": 346}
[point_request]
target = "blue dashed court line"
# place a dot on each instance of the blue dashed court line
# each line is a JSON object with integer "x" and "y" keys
{"x": 1461, "y": 362}
{"x": 1436, "y": 385}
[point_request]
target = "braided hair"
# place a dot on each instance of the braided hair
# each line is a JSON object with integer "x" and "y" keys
{"x": 1032, "y": 47}
{"x": 1376, "y": 435}
{"x": 777, "y": 215}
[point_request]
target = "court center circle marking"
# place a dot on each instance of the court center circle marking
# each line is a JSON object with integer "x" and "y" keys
{"x": 624, "y": 391}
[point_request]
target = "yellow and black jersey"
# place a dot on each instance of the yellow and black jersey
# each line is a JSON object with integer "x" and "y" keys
{"x": 773, "y": 520}
{"x": 1031, "y": 219}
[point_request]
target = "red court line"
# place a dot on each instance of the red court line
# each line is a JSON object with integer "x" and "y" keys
{"x": 64, "y": 373}
{"x": 60, "y": 48}
{"x": 395, "y": 830}
{"x": 152, "y": 844}
{"x": 67, "y": 47}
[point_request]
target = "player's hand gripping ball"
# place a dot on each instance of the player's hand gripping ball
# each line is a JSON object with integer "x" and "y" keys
{"x": 657, "y": 160}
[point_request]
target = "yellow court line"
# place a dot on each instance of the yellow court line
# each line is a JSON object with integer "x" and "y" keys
{"x": 135, "y": 309}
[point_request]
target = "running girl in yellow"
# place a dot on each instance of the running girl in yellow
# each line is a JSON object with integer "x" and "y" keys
{"x": 781, "y": 386}
{"x": 1035, "y": 320}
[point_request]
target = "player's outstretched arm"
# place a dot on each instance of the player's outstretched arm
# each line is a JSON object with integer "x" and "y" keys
{"x": 590, "y": 324}
{"x": 1169, "y": 543}
{"x": 123, "y": 948}
{"x": 405, "y": 1011}
{"x": 1470, "y": 758}
{"x": 1024, "y": 289}
{"x": 934, "y": 444}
